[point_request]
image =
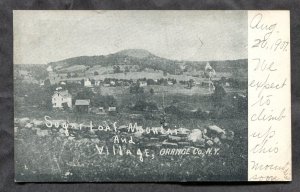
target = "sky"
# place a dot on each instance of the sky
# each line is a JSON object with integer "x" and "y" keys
{"x": 41, "y": 37}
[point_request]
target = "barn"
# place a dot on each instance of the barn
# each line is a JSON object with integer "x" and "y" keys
{"x": 82, "y": 105}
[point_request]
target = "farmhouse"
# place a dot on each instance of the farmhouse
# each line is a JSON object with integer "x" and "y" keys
{"x": 97, "y": 82}
{"x": 143, "y": 83}
{"x": 112, "y": 109}
{"x": 61, "y": 98}
{"x": 87, "y": 83}
{"x": 82, "y": 105}
{"x": 170, "y": 82}
{"x": 49, "y": 69}
{"x": 112, "y": 83}
{"x": 101, "y": 110}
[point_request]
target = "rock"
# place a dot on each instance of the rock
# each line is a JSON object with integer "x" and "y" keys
{"x": 16, "y": 129}
{"x": 182, "y": 135}
{"x": 154, "y": 139}
{"x": 96, "y": 140}
{"x": 123, "y": 128}
{"x": 183, "y": 143}
{"x": 71, "y": 138}
{"x": 62, "y": 130}
{"x": 223, "y": 136}
{"x": 196, "y": 130}
{"x": 217, "y": 141}
{"x": 195, "y": 135}
{"x": 93, "y": 135}
{"x": 84, "y": 140}
{"x": 204, "y": 135}
{"x": 42, "y": 133}
{"x": 216, "y": 129}
{"x": 200, "y": 144}
{"x": 174, "y": 138}
{"x": 201, "y": 141}
{"x": 74, "y": 126}
{"x": 37, "y": 122}
{"x": 164, "y": 136}
{"x": 36, "y": 128}
{"x": 168, "y": 144}
{"x": 24, "y": 121}
{"x": 210, "y": 143}
{"x": 138, "y": 134}
{"x": 155, "y": 145}
{"x": 207, "y": 112}
{"x": 230, "y": 135}
{"x": 68, "y": 173}
{"x": 183, "y": 131}
{"x": 28, "y": 125}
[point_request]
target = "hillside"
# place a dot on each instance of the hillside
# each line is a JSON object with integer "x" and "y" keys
{"x": 144, "y": 59}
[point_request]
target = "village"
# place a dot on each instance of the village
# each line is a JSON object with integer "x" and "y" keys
{"x": 129, "y": 113}
{"x": 150, "y": 102}
{"x": 144, "y": 96}
{"x": 65, "y": 87}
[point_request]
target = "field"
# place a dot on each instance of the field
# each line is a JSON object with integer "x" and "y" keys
{"x": 54, "y": 156}
{"x": 100, "y": 147}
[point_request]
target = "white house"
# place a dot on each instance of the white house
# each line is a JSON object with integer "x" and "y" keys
{"x": 143, "y": 83}
{"x": 112, "y": 83}
{"x": 170, "y": 83}
{"x": 101, "y": 110}
{"x": 97, "y": 82}
{"x": 49, "y": 69}
{"x": 61, "y": 97}
{"x": 112, "y": 109}
{"x": 87, "y": 83}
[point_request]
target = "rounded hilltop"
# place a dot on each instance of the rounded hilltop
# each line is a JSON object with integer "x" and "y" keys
{"x": 138, "y": 53}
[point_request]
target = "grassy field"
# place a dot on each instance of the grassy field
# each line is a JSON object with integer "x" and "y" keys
{"x": 198, "y": 97}
{"x": 54, "y": 156}
{"x": 57, "y": 158}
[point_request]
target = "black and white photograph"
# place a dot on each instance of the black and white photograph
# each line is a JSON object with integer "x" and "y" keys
{"x": 130, "y": 96}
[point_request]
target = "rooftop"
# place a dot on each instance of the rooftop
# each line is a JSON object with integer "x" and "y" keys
{"x": 82, "y": 102}
{"x": 63, "y": 93}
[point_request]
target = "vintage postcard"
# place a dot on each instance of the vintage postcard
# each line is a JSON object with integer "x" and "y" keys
{"x": 152, "y": 96}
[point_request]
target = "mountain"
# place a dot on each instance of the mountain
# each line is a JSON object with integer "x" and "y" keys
{"x": 119, "y": 58}
{"x": 139, "y": 57}
{"x": 144, "y": 59}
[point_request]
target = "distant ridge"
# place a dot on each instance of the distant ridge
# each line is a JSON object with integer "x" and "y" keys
{"x": 145, "y": 59}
